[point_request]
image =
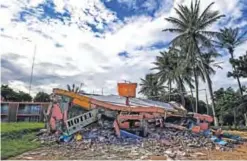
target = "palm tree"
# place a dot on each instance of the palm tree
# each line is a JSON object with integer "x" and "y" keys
{"x": 191, "y": 27}
{"x": 170, "y": 70}
{"x": 151, "y": 87}
{"x": 229, "y": 39}
{"x": 164, "y": 67}
{"x": 73, "y": 88}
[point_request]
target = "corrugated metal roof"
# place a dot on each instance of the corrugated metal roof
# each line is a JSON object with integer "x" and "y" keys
{"x": 118, "y": 100}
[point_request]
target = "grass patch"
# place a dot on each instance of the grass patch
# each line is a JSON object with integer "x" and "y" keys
{"x": 12, "y": 127}
{"x": 13, "y": 147}
{"x": 18, "y": 138}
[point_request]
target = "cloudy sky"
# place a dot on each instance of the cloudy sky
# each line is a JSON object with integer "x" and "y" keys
{"x": 95, "y": 42}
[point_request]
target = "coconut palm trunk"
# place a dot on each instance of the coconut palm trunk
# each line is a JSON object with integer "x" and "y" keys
{"x": 245, "y": 118}
{"x": 209, "y": 82}
{"x": 180, "y": 87}
{"x": 234, "y": 70}
{"x": 212, "y": 98}
{"x": 197, "y": 92}
{"x": 192, "y": 100}
{"x": 170, "y": 89}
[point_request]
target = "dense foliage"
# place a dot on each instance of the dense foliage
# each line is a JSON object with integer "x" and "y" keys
{"x": 41, "y": 97}
{"x": 151, "y": 87}
{"x": 231, "y": 107}
{"x": 241, "y": 67}
{"x": 191, "y": 58}
{"x": 8, "y": 94}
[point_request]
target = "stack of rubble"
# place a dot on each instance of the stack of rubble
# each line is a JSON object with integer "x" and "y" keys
{"x": 158, "y": 137}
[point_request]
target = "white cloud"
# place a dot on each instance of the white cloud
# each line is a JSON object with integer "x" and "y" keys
{"x": 93, "y": 59}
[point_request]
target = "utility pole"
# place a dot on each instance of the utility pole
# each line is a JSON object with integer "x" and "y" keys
{"x": 102, "y": 91}
{"x": 31, "y": 78}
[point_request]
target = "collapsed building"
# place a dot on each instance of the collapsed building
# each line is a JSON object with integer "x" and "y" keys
{"x": 71, "y": 115}
{"x": 128, "y": 112}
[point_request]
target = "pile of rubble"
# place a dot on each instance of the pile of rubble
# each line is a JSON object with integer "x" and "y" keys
{"x": 169, "y": 142}
{"x": 172, "y": 131}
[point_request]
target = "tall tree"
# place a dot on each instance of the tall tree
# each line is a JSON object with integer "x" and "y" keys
{"x": 229, "y": 39}
{"x": 191, "y": 27}
{"x": 151, "y": 87}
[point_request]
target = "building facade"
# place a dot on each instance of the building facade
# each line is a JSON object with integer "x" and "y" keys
{"x": 23, "y": 111}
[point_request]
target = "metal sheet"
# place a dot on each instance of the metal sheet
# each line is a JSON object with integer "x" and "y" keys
{"x": 117, "y": 100}
{"x": 77, "y": 123}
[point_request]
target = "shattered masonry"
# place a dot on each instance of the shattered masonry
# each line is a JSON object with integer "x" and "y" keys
{"x": 125, "y": 119}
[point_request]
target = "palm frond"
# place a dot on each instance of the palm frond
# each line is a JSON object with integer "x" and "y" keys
{"x": 180, "y": 14}
{"x": 68, "y": 87}
{"x": 206, "y": 11}
{"x": 210, "y": 21}
{"x": 176, "y": 22}
{"x": 76, "y": 89}
{"x": 242, "y": 37}
{"x": 173, "y": 30}
{"x": 210, "y": 33}
{"x": 73, "y": 87}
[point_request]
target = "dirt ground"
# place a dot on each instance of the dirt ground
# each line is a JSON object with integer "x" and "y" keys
{"x": 238, "y": 153}
{"x": 107, "y": 152}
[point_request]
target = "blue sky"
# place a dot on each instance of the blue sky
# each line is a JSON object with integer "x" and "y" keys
{"x": 97, "y": 42}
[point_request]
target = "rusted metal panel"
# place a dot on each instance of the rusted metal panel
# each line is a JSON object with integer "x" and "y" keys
{"x": 127, "y": 89}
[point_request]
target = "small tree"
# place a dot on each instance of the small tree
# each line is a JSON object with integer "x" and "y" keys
{"x": 24, "y": 97}
{"x": 151, "y": 87}
{"x": 42, "y": 97}
{"x": 240, "y": 65}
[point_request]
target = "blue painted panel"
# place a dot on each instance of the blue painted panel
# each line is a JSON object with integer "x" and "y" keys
{"x": 130, "y": 135}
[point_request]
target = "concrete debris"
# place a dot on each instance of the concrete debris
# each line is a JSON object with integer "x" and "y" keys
{"x": 162, "y": 142}
{"x": 138, "y": 129}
